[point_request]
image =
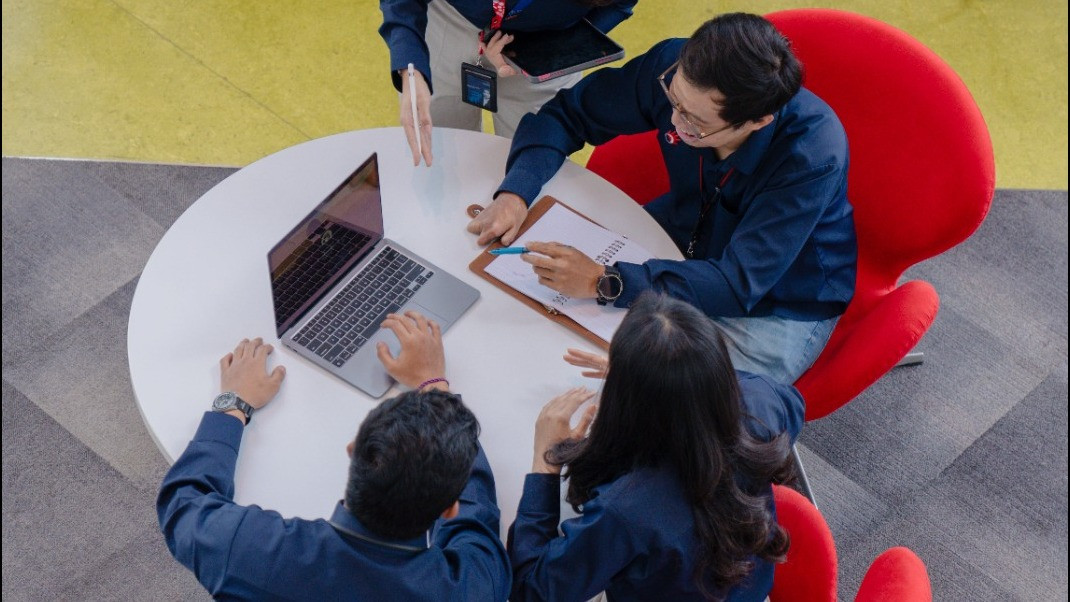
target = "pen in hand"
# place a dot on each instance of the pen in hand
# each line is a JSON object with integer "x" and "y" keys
{"x": 415, "y": 114}
{"x": 509, "y": 251}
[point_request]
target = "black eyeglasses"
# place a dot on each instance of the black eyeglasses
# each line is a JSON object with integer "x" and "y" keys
{"x": 695, "y": 130}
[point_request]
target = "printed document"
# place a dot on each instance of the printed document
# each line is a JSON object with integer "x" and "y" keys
{"x": 561, "y": 224}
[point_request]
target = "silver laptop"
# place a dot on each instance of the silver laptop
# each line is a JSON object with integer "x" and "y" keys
{"x": 334, "y": 277}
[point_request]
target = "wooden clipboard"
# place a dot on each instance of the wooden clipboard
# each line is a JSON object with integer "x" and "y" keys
{"x": 480, "y": 263}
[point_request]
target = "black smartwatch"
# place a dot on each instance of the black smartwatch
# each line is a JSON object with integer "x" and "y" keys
{"x": 230, "y": 401}
{"x": 610, "y": 285}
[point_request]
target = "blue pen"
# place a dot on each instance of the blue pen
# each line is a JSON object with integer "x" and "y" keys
{"x": 509, "y": 251}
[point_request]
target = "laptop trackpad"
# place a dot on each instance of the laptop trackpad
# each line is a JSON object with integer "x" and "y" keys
{"x": 369, "y": 372}
{"x": 386, "y": 335}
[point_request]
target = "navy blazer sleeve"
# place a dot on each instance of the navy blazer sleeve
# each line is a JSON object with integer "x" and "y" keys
{"x": 470, "y": 540}
{"x": 403, "y": 28}
{"x": 195, "y": 506}
{"x": 575, "y": 565}
{"x": 603, "y": 105}
{"x": 606, "y": 18}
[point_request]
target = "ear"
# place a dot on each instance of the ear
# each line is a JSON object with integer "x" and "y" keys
{"x": 758, "y": 124}
{"x": 452, "y": 511}
{"x": 350, "y": 447}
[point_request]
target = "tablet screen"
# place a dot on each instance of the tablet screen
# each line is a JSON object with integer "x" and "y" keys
{"x": 575, "y": 48}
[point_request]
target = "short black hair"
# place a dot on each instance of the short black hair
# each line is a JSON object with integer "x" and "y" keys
{"x": 412, "y": 458}
{"x": 745, "y": 58}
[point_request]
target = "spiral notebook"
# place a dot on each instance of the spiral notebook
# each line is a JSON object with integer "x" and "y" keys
{"x": 552, "y": 220}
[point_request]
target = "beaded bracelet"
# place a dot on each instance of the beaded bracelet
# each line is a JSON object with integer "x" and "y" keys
{"x": 432, "y": 381}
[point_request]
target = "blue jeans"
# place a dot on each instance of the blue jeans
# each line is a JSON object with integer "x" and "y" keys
{"x": 777, "y": 347}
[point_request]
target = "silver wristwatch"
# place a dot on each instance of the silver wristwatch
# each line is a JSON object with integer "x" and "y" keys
{"x": 230, "y": 401}
{"x": 609, "y": 286}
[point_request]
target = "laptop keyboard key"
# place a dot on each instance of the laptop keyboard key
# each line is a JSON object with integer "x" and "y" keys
{"x": 357, "y": 312}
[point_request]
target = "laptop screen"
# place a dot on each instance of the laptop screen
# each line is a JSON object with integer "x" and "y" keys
{"x": 322, "y": 248}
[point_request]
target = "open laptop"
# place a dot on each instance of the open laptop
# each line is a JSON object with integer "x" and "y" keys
{"x": 334, "y": 277}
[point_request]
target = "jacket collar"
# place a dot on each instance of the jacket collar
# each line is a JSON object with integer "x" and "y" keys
{"x": 349, "y": 526}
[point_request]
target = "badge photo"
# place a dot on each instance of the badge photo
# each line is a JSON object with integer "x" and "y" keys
{"x": 479, "y": 87}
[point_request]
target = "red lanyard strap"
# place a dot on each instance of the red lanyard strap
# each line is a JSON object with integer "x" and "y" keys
{"x": 495, "y": 22}
{"x": 707, "y": 204}
{"x": 499, "y": 14}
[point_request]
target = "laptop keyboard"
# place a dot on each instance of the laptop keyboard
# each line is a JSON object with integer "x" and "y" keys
{"x": 316, "y": 262}
{"x": 355, "y": 314}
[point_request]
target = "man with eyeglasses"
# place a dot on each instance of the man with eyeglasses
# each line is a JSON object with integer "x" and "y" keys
{"x": 758, "y": 189}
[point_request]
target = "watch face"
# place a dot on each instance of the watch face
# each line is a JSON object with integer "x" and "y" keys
{"x": 225, "y": 401}
{"x": 605, "y": 286}
{"x": 610, "y": 284}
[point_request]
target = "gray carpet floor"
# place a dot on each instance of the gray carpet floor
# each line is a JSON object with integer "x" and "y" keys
{"x": 963, "y": 458}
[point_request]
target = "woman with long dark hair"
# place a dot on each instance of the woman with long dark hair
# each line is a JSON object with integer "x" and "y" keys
{"x": 673, "y": 481}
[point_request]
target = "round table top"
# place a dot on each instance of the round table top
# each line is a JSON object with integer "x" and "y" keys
{"x": 206, "y": 286}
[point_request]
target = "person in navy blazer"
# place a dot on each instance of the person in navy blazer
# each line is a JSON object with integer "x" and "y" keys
{"x": 673, "y": 482}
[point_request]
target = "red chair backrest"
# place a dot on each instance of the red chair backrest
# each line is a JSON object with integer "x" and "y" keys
{"x": 809, "y": 574}
{"x": 634, "y": 164}
{"x": 921, "y": 174}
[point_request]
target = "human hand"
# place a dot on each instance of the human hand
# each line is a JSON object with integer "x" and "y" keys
{"x": 244, "y": 371}
{"x": 421, "y": 357}
{"x": 564, "y": 269}
{"x": 554, "y": 425}
{"x": 492, "y": 49}
{"x": 598, "y": 364}
{"x": 501, "y": 220}
{"x": 423, "y": 110}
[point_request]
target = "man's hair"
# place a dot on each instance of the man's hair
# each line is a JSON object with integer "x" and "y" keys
{"x": 745, "y": 58}
{"x": 412, "y": 458}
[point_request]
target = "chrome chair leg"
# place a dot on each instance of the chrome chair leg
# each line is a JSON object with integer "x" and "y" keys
{"x": 803, "y": 482}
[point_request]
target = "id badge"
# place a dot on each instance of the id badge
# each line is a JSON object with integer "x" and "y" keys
{"x": 479, "y": 87}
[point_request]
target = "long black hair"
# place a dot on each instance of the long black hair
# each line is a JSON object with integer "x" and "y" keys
{"x": 671, "y": 398}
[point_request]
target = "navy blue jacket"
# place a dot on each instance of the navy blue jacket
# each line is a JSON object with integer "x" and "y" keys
{"x": 635, "y": 539}
{"x": 247, "y": 553}
{"x": 405, "y": 21}
{"x": 781, "y": 241}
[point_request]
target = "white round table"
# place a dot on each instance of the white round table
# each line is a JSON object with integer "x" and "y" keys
{"x": 206, "y": 286}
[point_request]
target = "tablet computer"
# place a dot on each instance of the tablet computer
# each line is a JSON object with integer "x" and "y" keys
{"x": 544, "y": 55}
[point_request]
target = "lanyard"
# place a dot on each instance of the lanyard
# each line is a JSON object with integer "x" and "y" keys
{"x": 707, "y": 204}
{"x": 498, "y": 6}
{"x": 499, "y": 13}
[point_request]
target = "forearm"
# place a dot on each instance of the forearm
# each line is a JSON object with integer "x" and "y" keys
{"x": 537, "y": 519}
{"x": 608, "y": 17}
{"x": 603, "y": 105}
{"x": 403, "y": 28}
{"x": 200, "y": 484}
{"x": 573, "y": 564}
{"x": 699, "y": 283}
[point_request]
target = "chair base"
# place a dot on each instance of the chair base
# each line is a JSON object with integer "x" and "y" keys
{"x": 911, "y": 359}
{"x": 801, "y": 480}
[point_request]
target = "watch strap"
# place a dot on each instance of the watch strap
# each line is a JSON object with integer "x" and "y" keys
{"x": 234, "y": 403}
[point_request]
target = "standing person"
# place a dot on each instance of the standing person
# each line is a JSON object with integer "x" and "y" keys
{"x": 419, "y": 520}
{"x": 673, "y": 481}
{"x": 437, "y": 36}
{"x": 758, "y": 190}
